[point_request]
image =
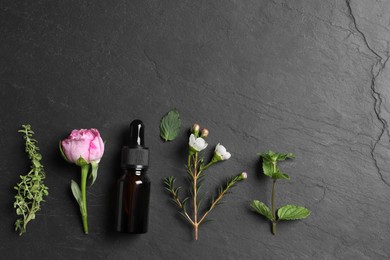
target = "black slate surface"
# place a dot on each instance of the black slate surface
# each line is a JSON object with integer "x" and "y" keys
{"x": 307, "y": 77}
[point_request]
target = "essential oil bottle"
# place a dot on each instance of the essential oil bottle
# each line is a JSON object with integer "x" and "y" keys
{"x": 133, "y": 187}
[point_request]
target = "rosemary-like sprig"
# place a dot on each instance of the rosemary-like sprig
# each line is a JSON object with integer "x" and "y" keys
{"x": 31, "y": 189}
{"x": 196, "y": 176}
{"x": 195, "y": 169}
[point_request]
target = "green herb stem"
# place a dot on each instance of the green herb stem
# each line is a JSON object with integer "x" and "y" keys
{"x": 273, "y": 199}
{"x": 273, "y": 228}
{"x": 207, "y": 165}
{"x": 273, "y": 207}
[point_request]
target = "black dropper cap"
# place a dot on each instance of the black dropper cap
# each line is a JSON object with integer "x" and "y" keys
{"x": 135, "y": 155}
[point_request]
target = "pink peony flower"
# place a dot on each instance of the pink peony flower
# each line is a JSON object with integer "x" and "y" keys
{"x": 85, "y": 148}
{"x": 85, "y": 144}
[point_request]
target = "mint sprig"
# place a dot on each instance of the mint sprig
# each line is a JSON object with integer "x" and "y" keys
{"x": 170, "y": 125}
{"x": 287, "y": 212}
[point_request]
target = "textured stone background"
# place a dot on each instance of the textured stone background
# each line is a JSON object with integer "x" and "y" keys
{"x": 307, "y": 77}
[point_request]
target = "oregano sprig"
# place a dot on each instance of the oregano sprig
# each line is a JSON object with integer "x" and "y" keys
{"x": 193, "y": 214}
{"x": 31, "y": 189}
{"x": 287, "y": 212}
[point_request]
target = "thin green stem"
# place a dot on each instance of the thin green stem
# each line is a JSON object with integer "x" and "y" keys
{"x": 83, "y": 208}
{"x": 208, "y": 165}
{"x": 273, "y": 228}
{"x": 273, "y": 199}
{"x": 273, "y": 208}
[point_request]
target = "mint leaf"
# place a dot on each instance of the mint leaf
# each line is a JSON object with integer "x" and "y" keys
{"x": 268, "y": 156}
{"x": 292, "y": 212}
{"x": 262, "y": 209}
{"x": 275, "y": 157}
{"x": 267, "y": 168}
{"x": 284, "y": 156}
{"x": 170, "y": 125}
{"x": 270, "y": 167}
{"x": 278, "y": 175}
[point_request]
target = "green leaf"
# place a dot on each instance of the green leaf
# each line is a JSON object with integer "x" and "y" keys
{"x": 278, "y": 175}
{"x": 76, "y": 192}
{"x": 275, "y": 157}
{"x": 262, "y": 209}
{"x": 284, "y": 156}
{"x": 170, "y": 125}
{"x": 94, "y": 171}
{"x": 36, "y": 163}
{"x": 292, "y": 212}
{"x": 268, "y": 168}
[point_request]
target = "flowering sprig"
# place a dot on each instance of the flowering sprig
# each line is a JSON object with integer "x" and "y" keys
{"x": 195, "y": 169}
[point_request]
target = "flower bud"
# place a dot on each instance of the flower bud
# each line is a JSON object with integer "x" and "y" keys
{"x": 204, "y": 132}
{"x": 242, "y": 176}
{"x": 195, "y": 129}
{"x": 83, "y": 146}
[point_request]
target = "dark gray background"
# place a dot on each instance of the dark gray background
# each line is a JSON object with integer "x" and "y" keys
{"x": 307, "y": 77}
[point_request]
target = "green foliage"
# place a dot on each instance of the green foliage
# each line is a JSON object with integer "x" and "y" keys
{"x": 292, "y": 212}
{"x": 288, "y": 212}
{"x": 94, "y": 170}
{"x": 276, "y": 157}
{"x": 170, "y": 187}
{"x": 170, "y": 125}
{"x": 31, "y": 189}
{"x": 262, "y": 209}
{"x": 270, "y": 167}
{"x": 222, "y": 190}
{"x": 76, "y": 192}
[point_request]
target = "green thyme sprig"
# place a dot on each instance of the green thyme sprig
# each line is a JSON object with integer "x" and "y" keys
{"x": 31, "y": 189}
{"x": 287, "y": 212}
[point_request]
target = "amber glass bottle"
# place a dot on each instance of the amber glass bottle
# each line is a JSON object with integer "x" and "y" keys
{"x": 133, "y": 188}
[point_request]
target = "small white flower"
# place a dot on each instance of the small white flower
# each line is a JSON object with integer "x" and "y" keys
{"x": 220, "y": 150}
{"x": 197, "y": 144}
